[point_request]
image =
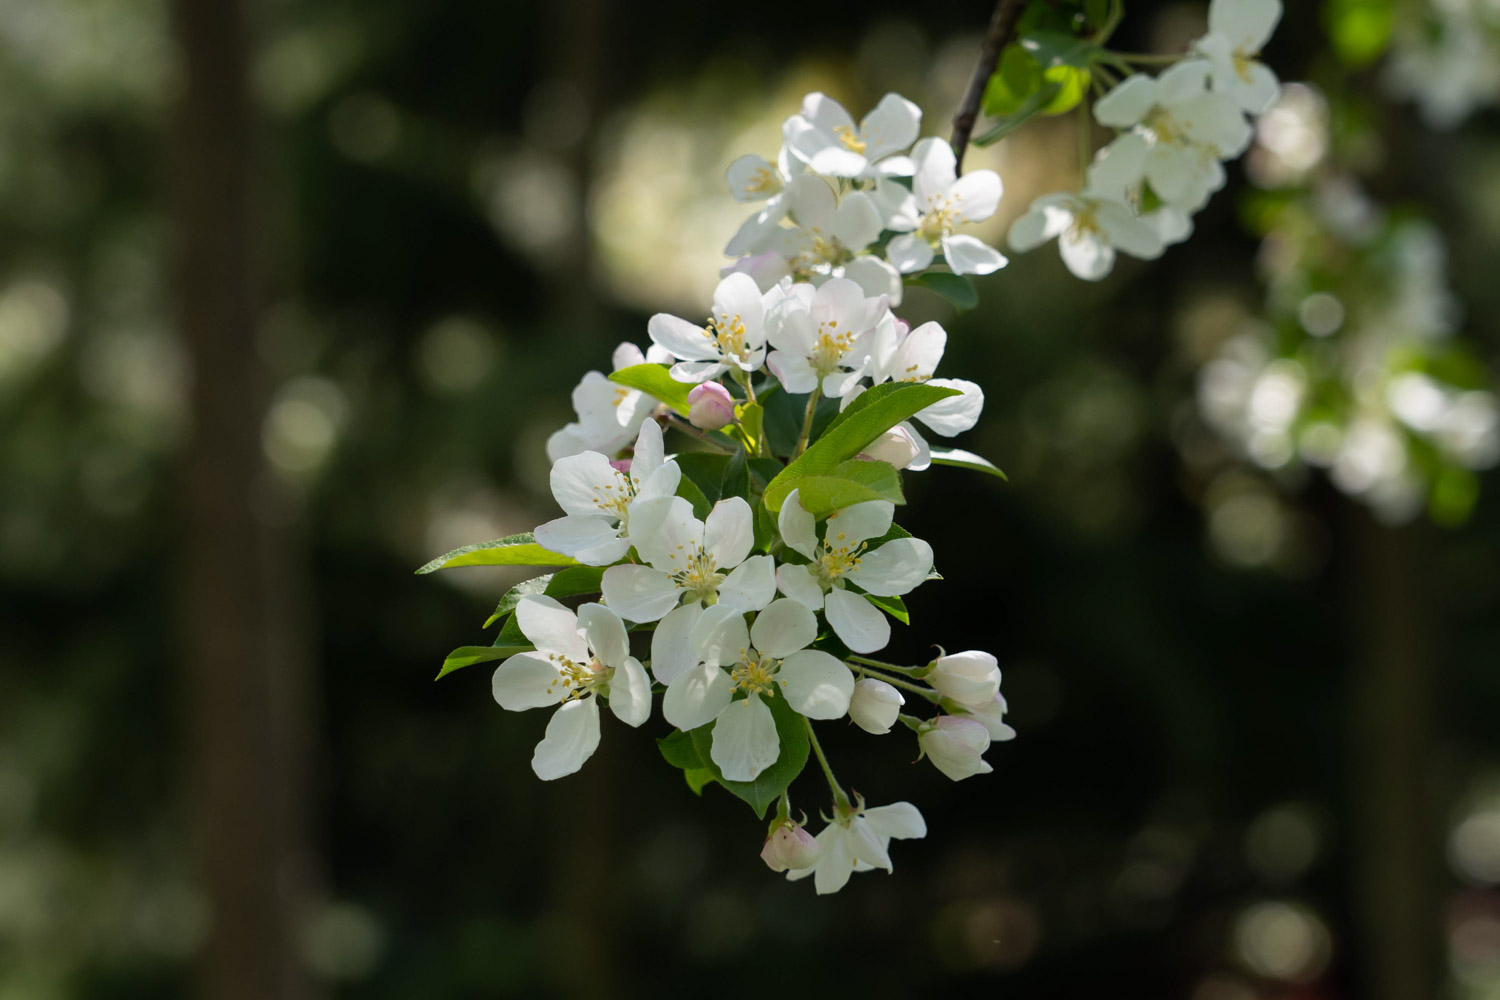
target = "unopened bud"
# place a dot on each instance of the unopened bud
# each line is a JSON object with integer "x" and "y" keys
{"x": 971, "y": 678}
{"x": 954, "y": 746}
{"x": 710, "y": 407}
{"x": 620, "y": 465}
{"x": 993, "y": 717}
{"x": 897, "y": 446}
{"x": 790, "y": 847}
{"x": 875, "y": 705}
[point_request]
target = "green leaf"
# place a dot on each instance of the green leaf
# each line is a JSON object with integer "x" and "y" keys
{"x": 568, "y": 582}
{"x": 782, "y": 421}
{"x": 1058, "y": 48}
{"x": 956, "y": 288}
{"x": 893, "y": 606}
{"x": 513, "y": 550}
{"x": 690, "y": 751}
{"x": 698, "y": 778}
{"x": 1096, "y": 12}
{"x": 467, "y": 656}
{"x": 851, "y": 482}
{"x": 961, "y": 459}
{"x": 655, "y": 382}
{"x": 751, "y": 417}
{"x": 1016, "y": 79}
{"x": 706, "y": 470}
{"x": 876, "y": 411}
{"x": 1359, "y": 29}
{"x": 536, "y": 585}
{"x": 736, "y": 481}
{"x": 689, "y": 491}
{"x": 1072, "y": 84}
{"x": 1030, "y": 109}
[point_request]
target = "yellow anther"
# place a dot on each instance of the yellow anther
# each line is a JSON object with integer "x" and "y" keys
{"x": 850, "y": 140}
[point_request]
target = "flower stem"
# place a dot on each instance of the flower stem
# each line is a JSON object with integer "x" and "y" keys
{"x": 1147, "y": 58}
{"x": 807, "y": 420}
{"x": 1085, "y": 142}
{"x": 866, "y": 661}
{"x": 688, "y": 429}
{"x": 900, "y": 682}
{"x": 839, "y": 798}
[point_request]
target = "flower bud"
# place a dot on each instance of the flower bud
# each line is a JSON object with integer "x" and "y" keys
{"x": 896, "y": 446}
{"x": 710, "y": 407}
{"x": 620, "y": 465}
{"x": 993, "y": 718}
{"x": 970, "y": 678}
{"x": 875, "y": 705}
{"x": 789, "y": 847}
{"x": 954, "y": 745}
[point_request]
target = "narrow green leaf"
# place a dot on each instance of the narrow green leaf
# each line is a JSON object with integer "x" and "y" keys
{"x": 1017, "y": 78}
{"x": 467, "y": 656}
{"x": 689, "y": 491}
{"x": 706, "y": 470}
{"x": 875, "y": 411}
{"x": 513, "y": 550}
{"x": 536, "y": 585}
{"x": 1072, "y": 84}
{"x": 691, "y": 752}
{"x": 655, "y": 382}
{"x": 956, "y": 288}
{"x": 893, "y": 606}
{"x": 1058, "y": 48}
{"x": 961, "y": 459}
{"x": 851, "y": 482}
{"x": 751, "y": 417}
{"x": 1030, "y": 109}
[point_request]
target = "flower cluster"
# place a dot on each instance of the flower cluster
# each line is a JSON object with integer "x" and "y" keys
{"x": 1445, "y": 56}
{"x": 1175, "y": 131}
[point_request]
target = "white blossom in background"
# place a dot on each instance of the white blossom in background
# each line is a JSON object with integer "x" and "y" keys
{"x": 734, "y": 338}
{"x": 824, "y": 137}
{"x": 1090, "y": 229}
{"x": 1237, "y": 31}
{"x": 971, "y": 678}
{"x": 752, "y": 178}
{"x": 578, "y": 659}
{"x": 843, "y": 556}
{"x": 901, "y": 354}
{"x": 938, "y": 203}
{"x": 599, "y": 499}
{"x": 825, "y": 236}
{"x": 609, "y": 415}
{"x": 770, "y": 659}
{"x": 823, "y": 336}
{"x": 1448, "y": 62}
{"x": 992, "y": 716}
{"x": 859, "y": 841}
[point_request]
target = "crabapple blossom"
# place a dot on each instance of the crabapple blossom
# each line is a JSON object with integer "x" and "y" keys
{"x": 992, "y": 715}
{"x": 609, "y": 415}
{"x": 599, "y": 498}
{"x": 789, "y": 846}
{"x": 900, "y": 354}
{"x": 1089, "y": 228}
{"x": 858, "y": 840}
{"x": 970, "y": 678}
{"x": 954, "y": 743}
{"x": 710, "y": 407}
{"x": 825, "y": 137}
{"x": 822, "y": 336}
{"x": 939, "y": 201}
{"x": 1237, "y": 30}
{"x": 753, "y": 178}
{"x": 826, "y": 236}
{"x": 734, "y": 338}
{"x": 844, "y": 556}
{"x": 770, "y": 659}
{"x": 875, "y": 706}
{"x": 578, "y": 659}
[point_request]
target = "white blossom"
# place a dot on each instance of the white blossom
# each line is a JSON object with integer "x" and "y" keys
{"x": 954, "y": 744}
{"x": 859, "y": 841}
{"x": 937, "y": 204}
{"x": 769, "y": 660}
{"x": 789, "y": 846}
{"x": 901, "y": 354}
{"x": 1237, "y": 30}
{"x": 753, "y": 178}
{"x": 971, "y": 678}
{"x": 992, "y": 716}
{"x": 875, "y": 706}
{"x": 843, "y": 556}
{"x": 578, "y": 659}
{"x": 733, "y": 338}
{"x": 609, "y": 415}
{"x": 825, "y": 137}
{"x": 822, "y": 336}
{"x": 599, "y": 499}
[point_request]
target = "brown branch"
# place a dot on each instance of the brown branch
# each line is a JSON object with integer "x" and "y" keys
{"x": 1002, "y": 31}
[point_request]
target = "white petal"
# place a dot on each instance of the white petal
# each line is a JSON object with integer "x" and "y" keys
{"x": 639, "y": 593}
{"x": 672, "y": 650}
{"x": 859, "y": 522}
{"x": 595, "y": 541}
{"x": 909, "y": 253}
{"x": 697, "y": 697}
{"x": 647, "y": 456}
{"x": 798, "y": 529}
{"x": 1086, "y": 256}
{"x": 859, "y": 624}
{"x": 1128, "y": 103}
{"x": 630, "y": 693}
{"x": 729, "y": 532}
{"x": 919, "y": 354}
{"x": 899, "y": 821}
{"x": 745, "y": 741}
{"x": 685, "y": 340}
{"x": 898, "y": 206}
{"x": 955, "y": 414}
{"x": 697, "y": 371}
{"x": 605, "y": 634}
{"x": 1129, "y": 233}
{"x": 1119, "y": 166}
{"x": 1258, "y": 93}
{"x": 795, "y": 373}
{"x": 936, "y": 169}
{"x": 866, "y": 845}
{"x": 798, "y": 583}
{"x": 551, "y": 627}
{"x": 876, "y": 277}
{"x": 816, "y": 684}
{"x": 739, "y": 296}
{"x": 752, "y": 178}
{"x": 1042, "y": 222}
{"x": 526, "y": 680}
{"x": 582, "y": 483}
{"x": 857, "y": 222}
{"x": 1183, "y": 82}
{"x": 720, "y": 637}
{"x": 572, "y": 736}
{"x": 971, "y": 255}
{"x": 661, "y": 483}
{"x": 662, "y": 530}
{"x": 812, "y": 203}
{"x": 894, "y": 568}
{"x": 835, "y": 861}
{"x": 976, "y": 195}
{"x": 1246, "y": 23}
{"x": 751, "y": 586}
{"x": 826, "y": 113}
{"x": 784, "y": 627}
{"x": 893, "y": 125}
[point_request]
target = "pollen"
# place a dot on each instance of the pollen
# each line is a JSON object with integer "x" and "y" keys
{"x": 754, "y": 676}
{"x": 576, "y": 680}
{"x": 850, "y": 141}
{"x": 699, "y": 576}
{"x": 763, "y": 182}
{"x": 728, "y": 333}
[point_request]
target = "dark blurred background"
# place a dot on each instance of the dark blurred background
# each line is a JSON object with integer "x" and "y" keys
{"x": 291, "y": 294}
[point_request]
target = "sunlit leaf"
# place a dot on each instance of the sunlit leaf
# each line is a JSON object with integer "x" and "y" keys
{"x": 513, "y": 550}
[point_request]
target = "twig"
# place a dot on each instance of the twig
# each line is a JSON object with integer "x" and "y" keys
{"x": 1001, "y": 33}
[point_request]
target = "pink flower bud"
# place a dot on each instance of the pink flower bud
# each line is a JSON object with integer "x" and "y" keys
{"x": 621, "y": 465}
{"x": 789, "y": 847}
{"x": 710, "y": 407}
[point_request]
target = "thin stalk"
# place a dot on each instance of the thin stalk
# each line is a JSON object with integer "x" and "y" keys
{"x": 807, "y": 420}
{"x": 900, "y": 682}
{"x": 866, "y": 661}
{"x": 1147, "y": 58}
{"x": 1085, "y": 142}
{"x": 688, "y": 429}
{"x": 840, "y": 799}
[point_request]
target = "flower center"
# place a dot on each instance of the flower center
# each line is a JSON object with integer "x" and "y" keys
{"x": 763, "y": 181}
{"x": 1085, "y": 224}
{"x": 830, "y": 347}
{"x": 837, "y": 559}
{"x": 614, "y": 498}
{"x": 699, "y": 576}
{"x": 1162, "y": 125}
{"x": 620, "y": 396}
{"x": 849, "y": 139}
{"x": 1242, "y": 63}
{"x": 754, "y": 675}
{"x": 939, "y": 221}
{"x": 728, "y": 332}
{"x": 576, "y": 680}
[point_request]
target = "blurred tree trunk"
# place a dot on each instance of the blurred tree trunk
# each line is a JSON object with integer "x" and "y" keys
{"x": 1395, "y": 837}
{"x": 246, "y": 677}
